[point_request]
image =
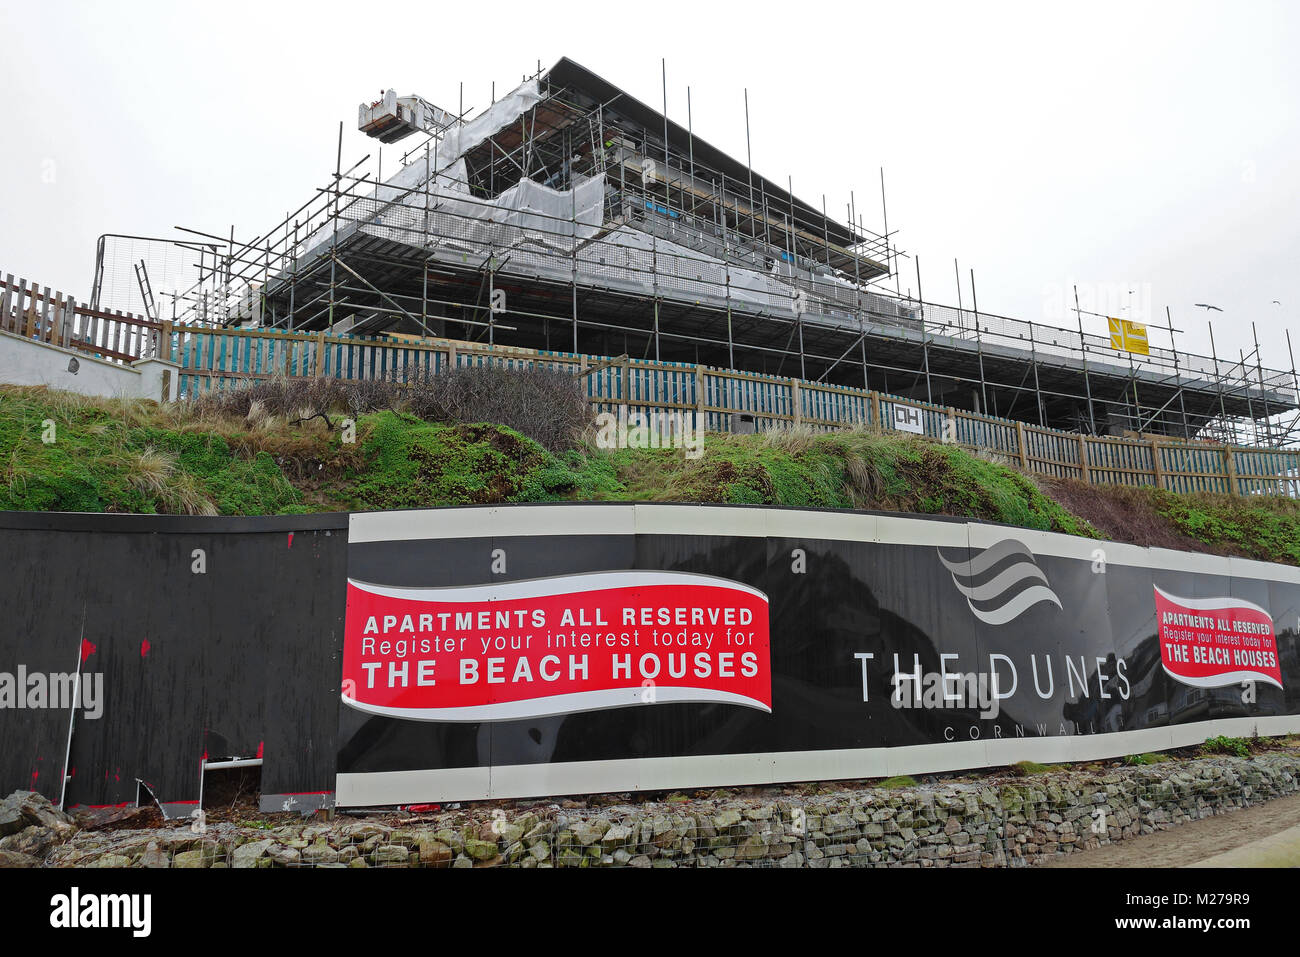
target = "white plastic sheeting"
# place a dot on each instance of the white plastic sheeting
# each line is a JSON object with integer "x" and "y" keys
{"x": 530, "y": 205}
{"x": 442, "y": 166}
{"x": 459, "y": 140}
{"x": 528, "y": 212}
{"x": 446, "y": 153}
{"x": 629, "y": 255}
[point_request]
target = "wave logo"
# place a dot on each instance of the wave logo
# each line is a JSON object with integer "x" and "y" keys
{"x": 1002, "y": 582}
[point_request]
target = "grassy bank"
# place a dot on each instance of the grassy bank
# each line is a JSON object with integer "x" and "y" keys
{"x": 62, "y": 452}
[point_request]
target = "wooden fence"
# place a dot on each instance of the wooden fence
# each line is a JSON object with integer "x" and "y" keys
{"x": 34, "y": 312}
{"x": 216, "y": 358}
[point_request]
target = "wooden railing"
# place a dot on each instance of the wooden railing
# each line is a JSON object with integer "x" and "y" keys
{"x": 34, "y": 312}
{"x": 217, "y": 358}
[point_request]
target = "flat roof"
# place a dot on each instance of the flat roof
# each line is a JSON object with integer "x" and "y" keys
{"x": 566, "y": 73}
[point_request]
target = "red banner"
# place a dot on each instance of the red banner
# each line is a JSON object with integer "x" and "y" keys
{"x": 554, "y": 646}
{"x": 1209, "y": 642}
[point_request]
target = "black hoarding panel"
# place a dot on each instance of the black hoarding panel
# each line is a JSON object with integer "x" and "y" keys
{"x": 1284, "y": 603}
{"x": 1132, "y": 616}
{"x": 42, "y": 637}
{"x": 210, "y": 638}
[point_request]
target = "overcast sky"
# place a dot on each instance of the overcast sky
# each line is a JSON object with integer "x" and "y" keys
{"x": 1150, "y": 147}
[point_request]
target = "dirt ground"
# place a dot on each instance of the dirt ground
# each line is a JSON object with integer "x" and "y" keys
{"x": 1186, "y": 845}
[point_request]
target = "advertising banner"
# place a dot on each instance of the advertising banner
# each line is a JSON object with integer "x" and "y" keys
{"x": 555, "y": 646}
{"x": 1210, "y": 642}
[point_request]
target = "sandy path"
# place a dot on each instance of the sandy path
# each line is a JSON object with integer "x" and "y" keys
{"x": 1265, "y": 835}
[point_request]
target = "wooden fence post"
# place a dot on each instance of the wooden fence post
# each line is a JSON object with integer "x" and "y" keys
{"x": 1156, "y": 464}
{"x": 29, "y": 314}
{"x": 1020, "y": 445}
{"x": 876, "y": 421}
{"x": 43, "y": 316}
{"x": 1231, "y": 467}
{"x": 5, "y": 295}
{"x": 624, "y": 389}
{"x": 1085, "y": 471}
{"x": 701, "y": 413}
{"x": 796, "y": 401}
{"x": 66, "y": 322}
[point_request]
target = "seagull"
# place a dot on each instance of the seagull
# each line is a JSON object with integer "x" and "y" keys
{"x": 1204, "y": 305}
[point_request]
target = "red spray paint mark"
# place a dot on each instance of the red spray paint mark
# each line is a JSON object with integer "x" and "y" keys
{"x": 144, "y": 648}
{"x": 87, "y": 649}
{"x": 291, "y": 539}
{"x": 205, "y": 756}
{"x": 259, "y": 749}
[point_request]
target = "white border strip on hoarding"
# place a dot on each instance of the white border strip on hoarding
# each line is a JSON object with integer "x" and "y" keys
{"x": 1224, "y": 603}
{"x": 548, "y": 705}
{"x": 558, "y": 585}
{"x": 376, "y": 788}
{"x": 758, "y": 522}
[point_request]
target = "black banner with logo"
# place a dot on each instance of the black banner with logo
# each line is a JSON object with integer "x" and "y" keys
{"x": 504, "y": 652}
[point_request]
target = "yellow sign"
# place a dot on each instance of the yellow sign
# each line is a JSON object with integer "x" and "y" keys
{"x": 1128, "y": 336}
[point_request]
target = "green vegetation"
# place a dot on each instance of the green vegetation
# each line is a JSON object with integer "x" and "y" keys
{"x": 1267, "y": 528}
{"x": 1225, "y": 745}
{"x": 850, "y": 469}
{"x": 63, "y": 453}
{"x": 898, "y": 783}
{"x": 1026, "y": 768}
{"x": 258, "y": 457}
{"x": 1149, "y": 757}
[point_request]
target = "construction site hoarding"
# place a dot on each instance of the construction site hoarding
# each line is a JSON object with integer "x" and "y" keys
{"x": 393, "y": 658}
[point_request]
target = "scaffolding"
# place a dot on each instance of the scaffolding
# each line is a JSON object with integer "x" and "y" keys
{"x": 570, "y": 216}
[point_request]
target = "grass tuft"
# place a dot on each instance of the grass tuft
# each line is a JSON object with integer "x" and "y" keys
{"x": 898, "y": 783}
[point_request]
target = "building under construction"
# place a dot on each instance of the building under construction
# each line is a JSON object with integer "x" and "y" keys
{"x": 570, "y": 216}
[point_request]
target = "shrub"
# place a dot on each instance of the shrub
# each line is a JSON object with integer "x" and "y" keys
{"x": 547, "y": 405}
{"x": 1225, "y": 745}
{"x": 301, "y": 398}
